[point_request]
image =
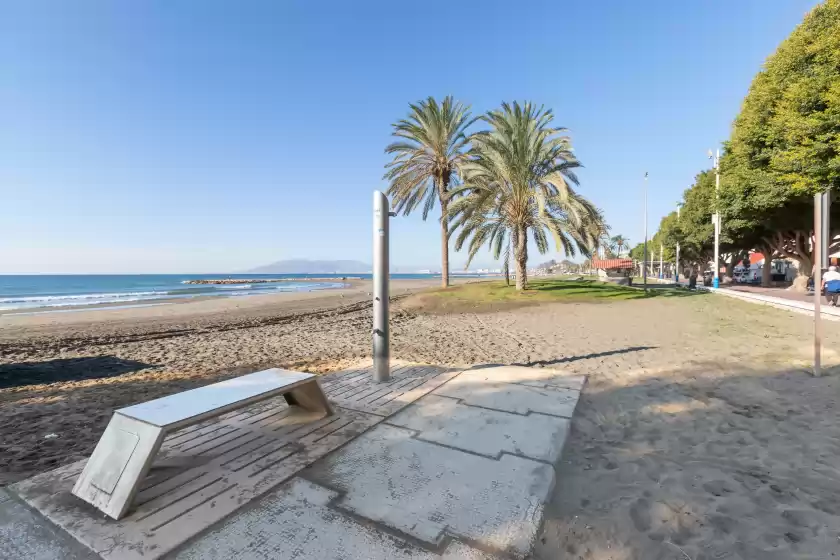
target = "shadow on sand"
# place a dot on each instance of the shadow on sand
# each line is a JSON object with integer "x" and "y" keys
{"x": 65, "y": 369}
{"x": 599, "y": 289}
{"x": 588, "y": 356}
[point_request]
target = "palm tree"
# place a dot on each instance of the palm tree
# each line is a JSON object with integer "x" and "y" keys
{"x": 516, "y": 183}
{"x": 617, "y": 243}
{"x": 429, "y": 154}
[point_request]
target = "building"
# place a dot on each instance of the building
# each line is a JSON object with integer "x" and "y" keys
{"x": 614, "y": 270}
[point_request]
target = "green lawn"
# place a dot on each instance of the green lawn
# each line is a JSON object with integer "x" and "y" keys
{"x": 540, "y": 290}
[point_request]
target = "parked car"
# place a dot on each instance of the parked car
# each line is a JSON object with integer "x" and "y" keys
{"x": 752, "y": 276}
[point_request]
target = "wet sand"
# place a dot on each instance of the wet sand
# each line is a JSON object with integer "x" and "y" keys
{"x": 700, "y": 433}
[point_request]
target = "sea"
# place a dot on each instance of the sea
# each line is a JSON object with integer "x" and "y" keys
{"x": 48, "y": 293}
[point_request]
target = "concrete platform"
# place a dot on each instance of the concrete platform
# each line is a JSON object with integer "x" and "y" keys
{"x": 298, "y": 522}
{"x": 397, "y": 472}
{"x": 447, "y": 421}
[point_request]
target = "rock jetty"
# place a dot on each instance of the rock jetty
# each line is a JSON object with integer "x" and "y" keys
{"x": 265, "y": 280}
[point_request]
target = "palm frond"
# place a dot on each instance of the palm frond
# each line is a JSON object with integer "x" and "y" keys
{"x": 519, "y": 179}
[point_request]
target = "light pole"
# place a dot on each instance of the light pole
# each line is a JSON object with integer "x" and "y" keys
{"x": 677, "y": 263}
{"x": 716, "y": 217}
{"x": 644, "y": 262}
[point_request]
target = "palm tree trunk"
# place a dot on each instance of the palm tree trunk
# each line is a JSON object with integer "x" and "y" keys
{"x": 444, "y": 240}
{"x": 511, "y": 239}
{"x": 521, "y": 258}
{"x": 443, "y": 188}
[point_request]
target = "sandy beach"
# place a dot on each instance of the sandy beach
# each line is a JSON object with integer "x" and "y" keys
{"x": 699, "y": 435}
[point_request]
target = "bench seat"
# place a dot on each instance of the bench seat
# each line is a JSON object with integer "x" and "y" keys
{"x": 125, "y": 451}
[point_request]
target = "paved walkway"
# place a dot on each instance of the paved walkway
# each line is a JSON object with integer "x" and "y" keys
{"x": 782, "y": 299}
{"x": 460, "y": 471}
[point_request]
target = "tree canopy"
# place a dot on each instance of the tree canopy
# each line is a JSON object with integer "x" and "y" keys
{"x": 784, "y": 148}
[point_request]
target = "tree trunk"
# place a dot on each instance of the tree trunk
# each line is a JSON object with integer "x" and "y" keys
{"x": 766, "y": 268}
{"x": 507, "y": 272}
{"x": 444, "y": 242}
{"x": 806, "y": 268}
{"x": 729, "y": 267}
{"x": 521, "y": 258}
{"x": 794, "y": 245}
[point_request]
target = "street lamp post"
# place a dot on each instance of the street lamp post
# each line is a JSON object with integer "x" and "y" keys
{"x": 677, "y": 263}
{"x": 644, "y": 262}
{"x": 716, "y": 217}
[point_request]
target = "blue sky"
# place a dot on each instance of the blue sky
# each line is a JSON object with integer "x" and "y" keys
{"x": 215, "y": 136}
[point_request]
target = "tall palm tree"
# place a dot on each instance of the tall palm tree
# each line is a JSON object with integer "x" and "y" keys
{"x": 517, "y": 183}
{"x": 429, "y": 155}
{"x": 617, "y": 243}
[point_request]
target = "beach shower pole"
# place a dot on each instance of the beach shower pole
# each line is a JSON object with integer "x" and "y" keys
{"x": 381, "y": 350}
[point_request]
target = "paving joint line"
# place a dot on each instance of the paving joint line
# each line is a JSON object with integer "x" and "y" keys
{"x": 417, "y": 435}
{"x": 529, "y": 413}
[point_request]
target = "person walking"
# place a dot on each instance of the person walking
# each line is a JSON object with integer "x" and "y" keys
{"x": 831, "y": 285}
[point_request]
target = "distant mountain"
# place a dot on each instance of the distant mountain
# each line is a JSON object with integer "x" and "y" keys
{"x": 304, "y": 266}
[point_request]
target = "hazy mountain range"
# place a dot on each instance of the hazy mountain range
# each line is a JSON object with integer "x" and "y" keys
{"x": 305, "y": 266}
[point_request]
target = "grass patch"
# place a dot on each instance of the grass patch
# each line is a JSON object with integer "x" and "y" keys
{"x": 495, "y": 295}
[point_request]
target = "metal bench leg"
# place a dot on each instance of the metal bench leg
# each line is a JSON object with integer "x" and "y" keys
{"x": 118, "y": 465}
{"x": 309, "y": 396}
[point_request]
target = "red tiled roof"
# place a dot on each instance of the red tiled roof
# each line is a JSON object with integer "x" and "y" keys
{"x": 755, "y": 258}
{"x": 612, "y": 263}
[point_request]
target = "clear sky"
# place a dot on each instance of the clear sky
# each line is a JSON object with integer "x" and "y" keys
{"x": 214, "y": 136}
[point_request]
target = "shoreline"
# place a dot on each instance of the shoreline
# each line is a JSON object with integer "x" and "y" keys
{"x": 238, "y": 281}
{"x": 173, "y": 299}
{"x": 195, "y": 310}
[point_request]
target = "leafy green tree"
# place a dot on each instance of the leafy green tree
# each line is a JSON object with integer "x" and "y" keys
{"x": 638, "y": 252}
{"x": 518, "y": 183}
{"x": 788, "y": 130}
{"x": 429, "y": 155}
{"x": 785, "y": 143}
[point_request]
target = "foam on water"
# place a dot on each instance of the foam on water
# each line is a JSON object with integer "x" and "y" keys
{"x": 49, "y": 292}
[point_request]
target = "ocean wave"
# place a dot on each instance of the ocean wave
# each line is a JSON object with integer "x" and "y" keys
{"x": 72, "y": 297}
{"x": 76, "y": 303}
{"x": 29, "y": 301}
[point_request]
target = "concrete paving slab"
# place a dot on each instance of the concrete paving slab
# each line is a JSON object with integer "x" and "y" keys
{"x": 296, "y": 522}
{"x": 24, "y": 535}
{"x": 489, "y": 432}
{"x": 205, "y": 473}
{"x": 504, "y": 389}
{"x": 430, "y": 492}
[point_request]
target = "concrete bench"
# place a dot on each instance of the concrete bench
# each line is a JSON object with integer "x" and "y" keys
{"x": 125, "y": 451}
